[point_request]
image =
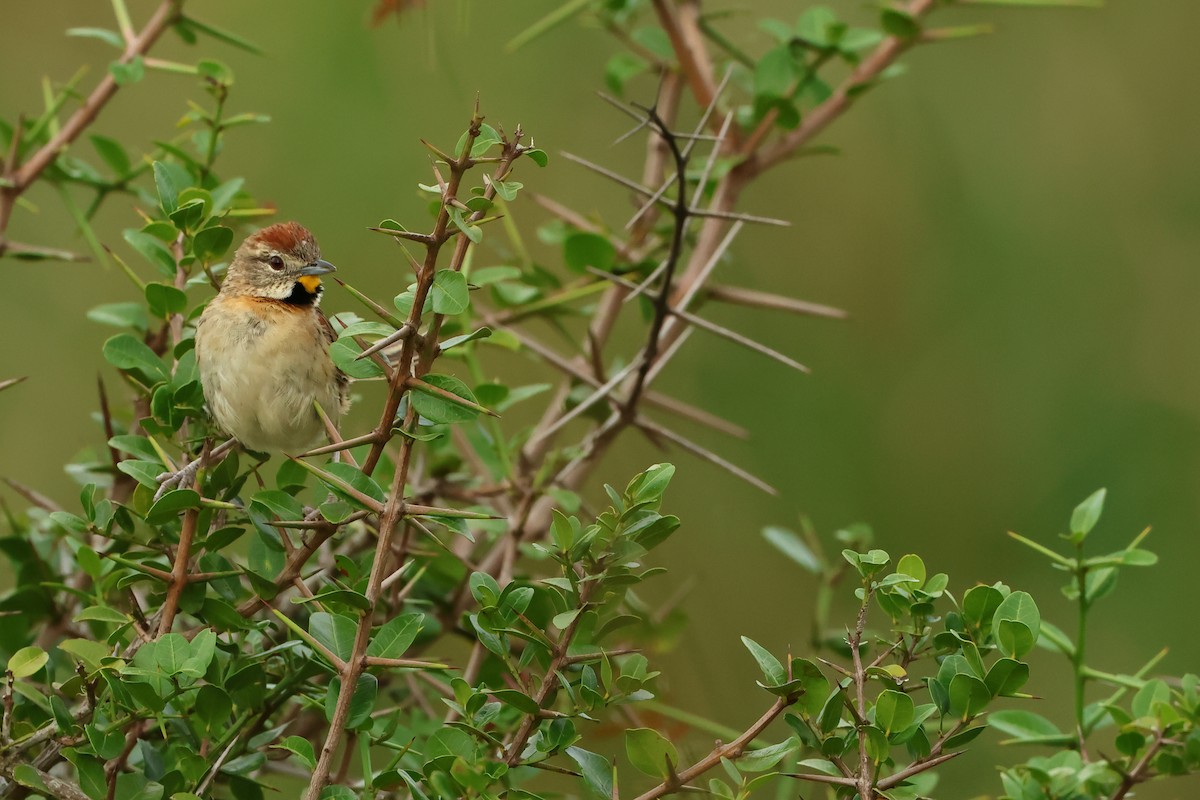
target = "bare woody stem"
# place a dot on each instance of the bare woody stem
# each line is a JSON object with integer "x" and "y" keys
{"x": 1141, "y": 770}
{"x": 695, "y": 64}
{"x": 721, "y": 751}
{"x": 396, "y": 506}
{"x": 662, "y": 307}
{"x": 866, "y": 775}
{"x": 179, "y": 571}
{"x": 559, "y": 659}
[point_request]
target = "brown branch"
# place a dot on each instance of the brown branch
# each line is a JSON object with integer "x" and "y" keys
{"x": 721, "y": 751}
{"x": 662, "y": 305}
{"x": 183, "y": 556}
{"x": 913, "y": 769}
{"x": 1139, "y": 772}
{"x": 688, "y": 44}
{"x": 401, "y": 381}
{"x": 866, "y": 776}
{"x": 550, "y": 682}
{"x": 867, "y": 71}
{"x": 21, "y": 178}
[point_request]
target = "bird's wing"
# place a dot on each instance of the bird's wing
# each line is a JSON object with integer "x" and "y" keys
{"x": 326, "y": 327}
{"x": 343, "y": 380}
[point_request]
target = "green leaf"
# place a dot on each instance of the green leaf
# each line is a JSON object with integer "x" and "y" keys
{"x": 168, "y": 192}
{"x": 819, "y": 26}
{"x": 821, "y": 766}
{"x": 767, "y": 757}
{"x": 774, "y": 74}
{"x": 192, "y": 195}
{"x": 170, "y": 653}
{"x": 211, "y": 243}
{"x": 131, "y": 72}
{"x": 86, "y": 650}
{"x": 27, "y": 661}
{"x": 468, "y": 228}
{"x": 336, "y": 511}
{"x": 1135, "y": 557}
{"x": 518, "y": 700}
{"x": 126, "y": 352}
{"x": 301, "y": 747}
{"x": 772, "y": 670}
{"x": 582, "y": 250}
{"x": 1086, "y": 515}
{"x": 153, "y": 250}
{"x": 362, "y": 703}
{"x": 868, "y": 563}
{"x": 831, "y": 711}
{"x": 214, "y": 71}
{"x": 171, "y": 504}
{"x": 1097, "y": 584}
{"x": 968, "y": 695}
{"x": 538, "y": 157}
{"x": 396, "y": 636}
{"x": 1006, "y": 676}
{"x": 335, "y": 631}
{"x": 144, "y": 472}
{"x": 980, "y": 604}
{"x": 165, "y": 300}
{"x": 110, "y": 150}
{"x": 102, "y": 614}
{"x": 29, "y": 777}
{"x": 455, "y": 341}
{"x": 507, "y": 190}
{"x": 107, "y": 744}
{"x": 893, "y": 711}
{"x": 438, "y": 409}
{"x": 331, "y": 597}
{"x": 597, "y": 771}
{"x": 793, "y": 547}
{"x": 224, "y": 195}
{"x": 622, "y": 67}
{"x": 357, "y": 479}
{"x": 1016, "y": 624}
{"x": 121, "y": 315}
{"x": 899, "y": 23}
{"x": 649, "y": 751}
{"x": 449, "y": 293}
{"x": 1144, "y": 701}
{"x": 648, "y": 487}
{"x": 913, "y": 566}
{"x": 485, "y": 276}
{"x": 345, "y": 354}
{"x": 1025, "y": 726}
{"x": 280, "y": 503}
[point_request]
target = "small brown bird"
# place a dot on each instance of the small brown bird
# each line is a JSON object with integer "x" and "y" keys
{"x": 262, "y": 344}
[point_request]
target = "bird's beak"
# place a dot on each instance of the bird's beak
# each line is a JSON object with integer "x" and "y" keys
{"x": 319, "y": 267}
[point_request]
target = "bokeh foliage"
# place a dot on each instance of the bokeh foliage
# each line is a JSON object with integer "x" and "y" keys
{"x": 176, "y": 185}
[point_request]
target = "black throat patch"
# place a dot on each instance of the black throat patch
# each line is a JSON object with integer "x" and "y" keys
{"x": 303, "y": 297}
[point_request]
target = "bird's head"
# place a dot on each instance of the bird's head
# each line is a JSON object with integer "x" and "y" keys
{"x": 281, "y": 262}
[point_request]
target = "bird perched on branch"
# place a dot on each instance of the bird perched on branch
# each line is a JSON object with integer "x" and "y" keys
{"x": 262, "y": 344}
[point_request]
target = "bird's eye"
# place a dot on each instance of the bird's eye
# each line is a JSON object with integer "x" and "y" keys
{"x": 276, "y": 262}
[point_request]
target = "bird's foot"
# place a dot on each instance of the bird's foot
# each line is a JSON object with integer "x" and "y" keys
{"x": 181, "y": 479}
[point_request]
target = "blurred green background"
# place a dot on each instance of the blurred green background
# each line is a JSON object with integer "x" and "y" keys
{"x": 1012, "y": 226}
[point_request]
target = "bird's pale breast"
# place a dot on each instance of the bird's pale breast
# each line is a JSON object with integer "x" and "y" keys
{"x": 262, "y": 365}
